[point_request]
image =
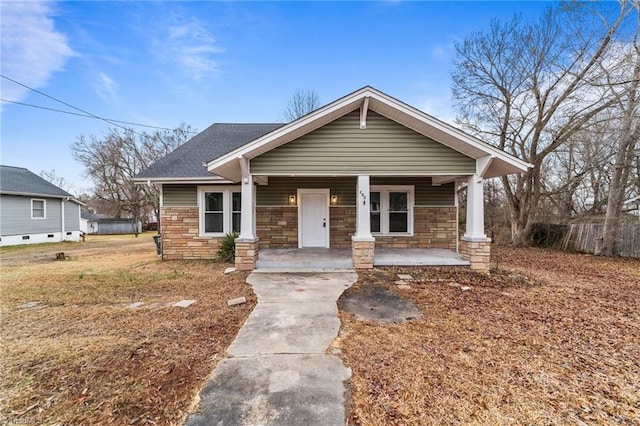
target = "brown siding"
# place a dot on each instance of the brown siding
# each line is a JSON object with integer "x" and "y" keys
{"x": 384, "y": 147}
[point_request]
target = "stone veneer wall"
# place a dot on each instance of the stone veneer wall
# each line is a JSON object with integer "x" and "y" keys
{"x": 433, "y": 227}
{"x": 277, "y": 227}
{"x": 180, "y": 239}
{"x": 478, "y": 253}
{"x": 343, "y": 226}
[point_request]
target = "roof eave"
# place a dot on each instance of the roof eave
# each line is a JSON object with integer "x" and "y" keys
{"x": 181, "y": 180}
{"x": 425, "y": 124}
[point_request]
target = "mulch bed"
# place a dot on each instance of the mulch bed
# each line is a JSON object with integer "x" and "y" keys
{"x": 549, "y": 338}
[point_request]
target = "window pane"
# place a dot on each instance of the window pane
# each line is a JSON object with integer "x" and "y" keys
{"x": 398, "y": 222}
{"x": 213, "y": 222}
{"x": 38, "y": 208}
{"x": 235, "y": 222}
{"x": 236, "y": 201}
{"x": 398, "y": 202}
{"x": 213, "y": 201}
{"x": 375, "y": 222}
{"x": 375, "y": 201}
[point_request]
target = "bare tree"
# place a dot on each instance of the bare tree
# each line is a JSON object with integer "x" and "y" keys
{"x": 529, "y": 87}
{"x": 112, "y": 160}
{"x": 301, "y": 103}
{"x": 628, "y": 105}
{"x": 59, "y": 181}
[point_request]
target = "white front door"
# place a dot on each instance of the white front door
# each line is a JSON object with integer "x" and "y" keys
{"x": 313, "y": 218}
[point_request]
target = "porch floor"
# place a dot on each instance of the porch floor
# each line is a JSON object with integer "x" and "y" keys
{"x": 304, "y": 258}
{"x": 323, "y": 259}
{"x": 384, "y": 256}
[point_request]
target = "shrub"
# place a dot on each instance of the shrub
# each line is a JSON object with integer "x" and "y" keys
{"x": 227, "y": 247}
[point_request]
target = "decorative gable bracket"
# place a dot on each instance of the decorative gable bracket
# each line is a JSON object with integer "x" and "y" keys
{"x": 363, "y": 112}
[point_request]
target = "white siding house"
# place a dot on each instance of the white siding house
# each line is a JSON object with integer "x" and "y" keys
{"x": 33, "y": 210}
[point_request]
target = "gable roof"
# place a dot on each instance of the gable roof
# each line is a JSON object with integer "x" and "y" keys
{"x": 186, "y": 163}
{"x": 495, "y": 162}
{"x": 20, "y": 181}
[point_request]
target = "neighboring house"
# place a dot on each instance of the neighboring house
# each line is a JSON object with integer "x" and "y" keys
{"x": 632, "y": 206}
{"x": 101, "y": 224}
{"x": 365, "y": 172}
{"x": 33, "y": 210}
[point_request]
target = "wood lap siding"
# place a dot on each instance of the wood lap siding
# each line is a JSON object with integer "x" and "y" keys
{"x": 179, "y": 195}
{"x": 425, "y": 193}
{"x": 384, "y": 147}
{"x": 279, "y": 188}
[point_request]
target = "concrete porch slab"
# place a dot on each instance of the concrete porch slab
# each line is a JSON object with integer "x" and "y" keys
{"x": 317, "y": 259}
{"x": 321, "y": 259}
{"x": 384, "y": 256}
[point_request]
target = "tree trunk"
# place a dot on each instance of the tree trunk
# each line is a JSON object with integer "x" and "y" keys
{"x": 629, "y": 135}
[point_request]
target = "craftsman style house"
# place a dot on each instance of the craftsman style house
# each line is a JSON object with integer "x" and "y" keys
{"x": 365, "y": 173}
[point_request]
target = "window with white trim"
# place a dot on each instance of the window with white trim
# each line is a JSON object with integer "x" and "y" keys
{"x": 38, "y": 209}
{"x": 220, "y": 209}
{"x": 391, "y": 210}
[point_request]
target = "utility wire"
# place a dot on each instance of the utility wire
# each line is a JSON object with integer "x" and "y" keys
{"x": 69, "y": 105}
{"x": 81, "y": 114}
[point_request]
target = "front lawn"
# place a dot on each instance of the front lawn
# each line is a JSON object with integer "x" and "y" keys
{"x": 552, "y": 338}
{"x": 83, "y": 356}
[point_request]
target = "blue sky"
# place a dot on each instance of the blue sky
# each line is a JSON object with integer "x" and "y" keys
{"x": 166, "y": 63}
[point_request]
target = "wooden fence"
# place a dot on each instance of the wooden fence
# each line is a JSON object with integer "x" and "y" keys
{"x": 586, "y": 236}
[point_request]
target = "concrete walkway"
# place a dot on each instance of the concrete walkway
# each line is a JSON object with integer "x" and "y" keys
{"x": 277, "y": 371}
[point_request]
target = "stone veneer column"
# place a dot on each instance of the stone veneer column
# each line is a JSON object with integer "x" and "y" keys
{"x": 362, "y": 250}
{"x": 246, "y": 254}
{"x": 478, "y": 252}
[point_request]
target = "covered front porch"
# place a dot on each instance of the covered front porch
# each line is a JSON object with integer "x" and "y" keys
{"x": 345, "y": 236}
{"x": 338, "y": 259}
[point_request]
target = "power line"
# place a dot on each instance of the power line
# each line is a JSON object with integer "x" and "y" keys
{"x": 81, "y": 114}
{"x": 69, "y": 105}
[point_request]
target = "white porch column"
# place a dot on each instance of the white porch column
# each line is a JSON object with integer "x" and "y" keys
{"x": 363, "y": 215}
{"x": 247, "y": 245}
{"x": 475, "y": 210}
{"x": 248, "y": 209}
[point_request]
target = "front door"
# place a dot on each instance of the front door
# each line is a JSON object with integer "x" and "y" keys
{"x": 313, "y": 218}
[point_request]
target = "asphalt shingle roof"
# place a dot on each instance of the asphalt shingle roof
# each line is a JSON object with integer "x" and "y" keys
{"x": 19, "y": 180}
{"x": 187, "y": 160}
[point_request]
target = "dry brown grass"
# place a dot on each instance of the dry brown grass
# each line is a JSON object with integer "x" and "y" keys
{"x": 551, "y": 339}
{"x": 83, "y": 357}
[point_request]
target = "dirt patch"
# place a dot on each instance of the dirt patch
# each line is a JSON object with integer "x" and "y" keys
{"x": 550, "y": 339}
{"x": 81, "y": 356}
{"x": 377, "y": 303}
